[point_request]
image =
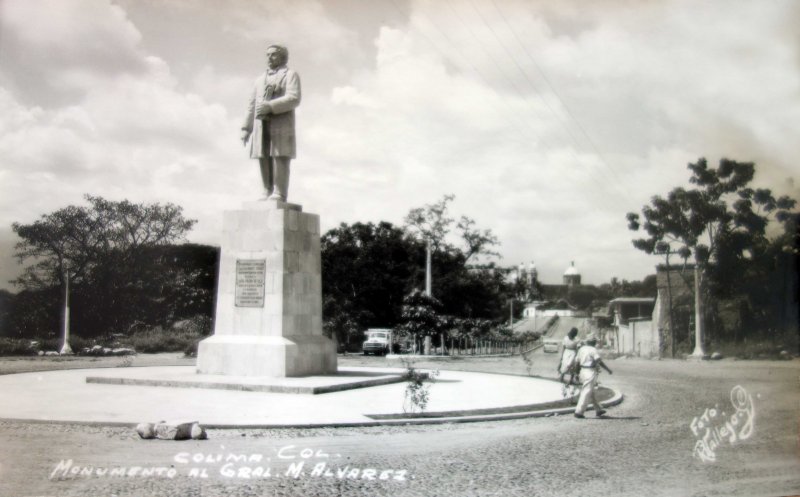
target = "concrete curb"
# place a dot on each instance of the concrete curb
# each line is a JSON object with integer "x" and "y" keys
{"x": 616, "y": 399}
{"x": 434, "y": 358}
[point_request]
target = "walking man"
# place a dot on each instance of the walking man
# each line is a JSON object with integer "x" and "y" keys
{"x": 589, "y": 361}
{"x": 269, "y": 123}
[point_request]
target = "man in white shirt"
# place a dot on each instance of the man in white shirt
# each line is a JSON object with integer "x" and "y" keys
{"x": 589, "y": 361}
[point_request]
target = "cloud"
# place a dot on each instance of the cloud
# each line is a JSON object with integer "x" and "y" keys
{"x": 548, "y": 121}
{"x": 54, "y": 50}
{"x": 560, "y": 132}
{"x": 121, "y": 133}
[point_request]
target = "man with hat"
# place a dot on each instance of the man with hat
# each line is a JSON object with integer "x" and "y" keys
{"x": 589, "y": 360}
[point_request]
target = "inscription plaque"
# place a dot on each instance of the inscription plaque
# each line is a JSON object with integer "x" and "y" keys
{"x": 250, "y": 276}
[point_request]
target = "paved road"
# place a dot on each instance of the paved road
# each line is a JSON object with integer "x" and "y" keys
{"x": 559, "y": 330}
{"x": 564, "y": 324}
{"x": 644, "y": 448}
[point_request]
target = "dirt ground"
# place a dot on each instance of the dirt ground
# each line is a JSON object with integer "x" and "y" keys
{"x": 646, "y": 446}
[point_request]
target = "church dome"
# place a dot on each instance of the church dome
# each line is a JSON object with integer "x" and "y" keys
{"x": 571, "y": 271}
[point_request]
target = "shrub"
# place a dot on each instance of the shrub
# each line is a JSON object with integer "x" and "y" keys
{"x": 159, "y": 340}
{"x": 16, "y": 346}
{"x": 25, "y": 346}
{"x": 199, "y": 324}
{"x": 417, "y": 394}
{"x": 76, "y": 342}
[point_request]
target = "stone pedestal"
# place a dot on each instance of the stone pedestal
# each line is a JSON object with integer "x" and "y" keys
{"x": 269, "y": 296}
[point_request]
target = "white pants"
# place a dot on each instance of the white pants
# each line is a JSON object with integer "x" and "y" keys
{"x": 588, "y": 379}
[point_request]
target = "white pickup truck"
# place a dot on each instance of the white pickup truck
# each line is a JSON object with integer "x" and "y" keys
{"x": 379, "y": 341}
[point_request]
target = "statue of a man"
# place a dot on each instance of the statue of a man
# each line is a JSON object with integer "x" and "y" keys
{"x": 270, "y": 122}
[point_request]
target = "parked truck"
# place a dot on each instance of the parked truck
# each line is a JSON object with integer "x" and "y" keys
{"x": 379, "y": 341}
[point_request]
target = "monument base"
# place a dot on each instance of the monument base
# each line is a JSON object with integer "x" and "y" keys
{"x": 250, "y": 355}
{"x": 268, "y": 319}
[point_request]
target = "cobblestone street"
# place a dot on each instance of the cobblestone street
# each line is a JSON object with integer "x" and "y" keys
{"x": 644, "y": 447}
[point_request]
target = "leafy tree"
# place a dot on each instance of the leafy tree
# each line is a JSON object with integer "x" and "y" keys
{"x": 431, "y": 223}
{"x": 767, "y": 288}
{"x": 340, "y": 324}
{"x": 179, "y": 281}
{"x": 113, "y": 253}
{"x": 721, "y": 222}
{"x": 85, "y": 239}
{"x": 422, "y": 316}
{"x": 476, "y": 242}
{"x": 366, "y": 271}
{"x": 34, "y": 314}
{"x": 473, "y": 292}
{"x": 6, "y": 300}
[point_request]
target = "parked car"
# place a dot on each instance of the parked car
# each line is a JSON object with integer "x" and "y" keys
{"x": 378, "y": 341}
{"x": 551, "y": 345}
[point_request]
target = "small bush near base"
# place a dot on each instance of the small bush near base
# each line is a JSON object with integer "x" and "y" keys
{"x": 160, "y": 340}
{"x": 16, "y": 346}
{"x": 417, "y": 394}
{"x": 27, "y": 347}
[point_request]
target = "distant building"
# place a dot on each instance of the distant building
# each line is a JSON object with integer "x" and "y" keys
{"x": 571, "y": 276}
{"x": 634, "y": 332}
{"x": 643, "y": 327}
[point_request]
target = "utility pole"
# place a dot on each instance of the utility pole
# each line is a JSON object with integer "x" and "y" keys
{"x": 428, "y": 276}
{"x": 428, "y": 284}
{"x": 698, "y": 353}
{"x": 65, "y": 348}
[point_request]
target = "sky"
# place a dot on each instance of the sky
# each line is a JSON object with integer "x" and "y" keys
{"x": 548, "y": 121}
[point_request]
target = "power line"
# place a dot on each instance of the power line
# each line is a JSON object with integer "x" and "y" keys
{"x": 615, "y": 184}
{"x": 477, "y": 71}
{"x": 571, "y": 147}
{"x": 555, "y": 92}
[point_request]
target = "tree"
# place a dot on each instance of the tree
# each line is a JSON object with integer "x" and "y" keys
{"x": 366, "y": 271}
{"x": 767, "y": 289}
{"x": 84, "y": 240}
{"x": 6, "y": 301}
{"x": 431, "y": 223}
{"x": 472, "y": 292}
{"x": 721, "y": 222}
{"x": 114, "y": 253}
{"x": 422, "y": 316}
{"x": 179, "y": 281}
